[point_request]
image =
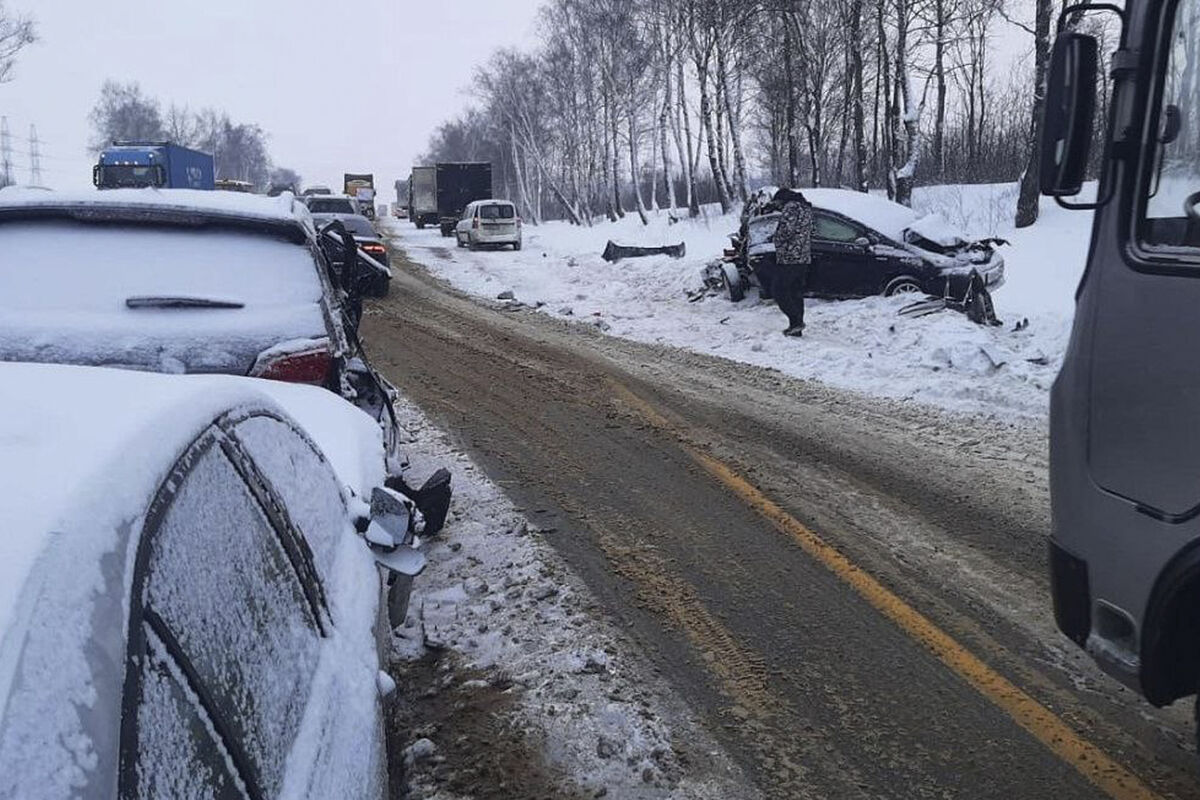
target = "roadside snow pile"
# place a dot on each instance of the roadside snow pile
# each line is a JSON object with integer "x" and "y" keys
{"x": 510, "y": 677}
{"x": 862, "y": 345}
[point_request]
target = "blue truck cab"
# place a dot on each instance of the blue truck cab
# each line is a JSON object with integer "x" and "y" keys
{"x": 159, "y": 164}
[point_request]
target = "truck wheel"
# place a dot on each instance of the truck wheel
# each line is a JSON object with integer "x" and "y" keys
{"x": 733, "y": 282}
{"x": 516, "y": 245}
{"x": 420, "y": 224}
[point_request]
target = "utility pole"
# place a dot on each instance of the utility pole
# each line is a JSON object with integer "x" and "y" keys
{"x": 35, "y": 158}
{"x": 5, "y": 153}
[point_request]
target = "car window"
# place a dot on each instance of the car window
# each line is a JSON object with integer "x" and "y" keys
{"x": 833, "y": 230}
{"x": 222, "y": 585}
{"x": 179, "y": 756}
{"x": 497, "y": 211}
{"x": 359, "y": 226}
{"x": 95, "y": 268}
{"x": 331, "y": 205}
{"x": 468, "y": 212}
{"x": 304, "y": 481}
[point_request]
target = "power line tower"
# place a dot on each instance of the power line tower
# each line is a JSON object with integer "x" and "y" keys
{"x": 5, "y": 153}
{"x": 35, "y": 158}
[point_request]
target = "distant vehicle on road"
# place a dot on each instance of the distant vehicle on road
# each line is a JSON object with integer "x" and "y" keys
{"x": 185, "y": 551}
{"x": 317, "y": 188}
{"x": 362, "y": 188}
{"x": 332, "y": 204}
{"x": 861, "y": 246}
{"x": 378, "y": 268}
{"x": 400, "y": 211}
{"x": 228, "y": 185}
{"x": 181, "y": 282}
{"x": 457, "y": 185}
{"x": 423, "y": 196}
{"x": 489, "y": 222}
{"x": 162, "y": 165}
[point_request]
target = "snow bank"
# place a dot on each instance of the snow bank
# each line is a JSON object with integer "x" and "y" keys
{"x": 861, "y": 345}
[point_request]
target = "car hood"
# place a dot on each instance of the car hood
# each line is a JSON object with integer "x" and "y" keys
{"x": 935, "y": 239}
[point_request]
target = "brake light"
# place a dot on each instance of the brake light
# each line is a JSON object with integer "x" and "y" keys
{"x": 475, "y": 224}
{"x": 310, "y": 365}
{"x": 374, "y": 249}
{"x": 519, "y": 222}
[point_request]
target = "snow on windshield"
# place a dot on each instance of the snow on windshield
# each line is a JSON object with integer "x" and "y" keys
{"x": 64, "y": 287}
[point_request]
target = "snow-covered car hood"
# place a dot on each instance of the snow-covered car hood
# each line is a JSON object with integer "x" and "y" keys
{"x": 85, "y": 450}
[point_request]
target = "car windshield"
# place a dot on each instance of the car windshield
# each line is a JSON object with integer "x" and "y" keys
{"x": 331, "y": 205}
{"x": 497, "y": 211}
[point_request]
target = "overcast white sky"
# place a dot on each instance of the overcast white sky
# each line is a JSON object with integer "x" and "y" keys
{"x": 340, "y": 87}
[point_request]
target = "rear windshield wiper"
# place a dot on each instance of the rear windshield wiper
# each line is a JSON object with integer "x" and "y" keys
{"x": 160, "y": 301}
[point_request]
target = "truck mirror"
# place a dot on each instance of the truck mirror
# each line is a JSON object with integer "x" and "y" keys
{"x": 96, "y": 176}
{"x": 1069, "y": 114}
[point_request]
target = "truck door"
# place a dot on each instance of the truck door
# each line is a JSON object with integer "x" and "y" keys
{"x": 1143, "y": 300}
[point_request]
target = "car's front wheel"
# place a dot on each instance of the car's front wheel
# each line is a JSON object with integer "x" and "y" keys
{"x": 904, "y": 284}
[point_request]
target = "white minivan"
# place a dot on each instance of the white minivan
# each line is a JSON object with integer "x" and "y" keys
{"x": 489, "y": 222}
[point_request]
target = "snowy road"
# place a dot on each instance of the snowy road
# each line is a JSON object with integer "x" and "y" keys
{"x": 849, "y": 593}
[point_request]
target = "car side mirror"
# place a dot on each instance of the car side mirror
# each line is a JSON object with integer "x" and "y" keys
{"x": 863, "y": 241}
{"x": 390, "y": 535}
{"x": 1069, "y": 114}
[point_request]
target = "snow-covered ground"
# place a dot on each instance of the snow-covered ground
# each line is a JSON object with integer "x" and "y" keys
{"x": 514, "y": 630}
{"x": 862, "y": 345}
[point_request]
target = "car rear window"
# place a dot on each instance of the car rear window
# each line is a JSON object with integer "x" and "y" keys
{"x": 332, "y": 205}
{"x": 497, "y": 211}
{"x": 93, "y": 268}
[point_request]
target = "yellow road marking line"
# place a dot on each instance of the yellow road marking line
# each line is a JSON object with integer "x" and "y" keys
{"x": 1088, "y": 759}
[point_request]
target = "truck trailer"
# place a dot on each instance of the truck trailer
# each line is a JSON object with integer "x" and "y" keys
{"x": 161, "y": 165}
{"x": 361, "y": 186}
{"x": 457, "y": 185}
{"x": 423, "y": 196}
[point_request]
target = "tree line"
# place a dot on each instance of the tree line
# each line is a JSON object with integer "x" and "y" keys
{"x": 628, "y": 106}
{"x": 239, "y": 149}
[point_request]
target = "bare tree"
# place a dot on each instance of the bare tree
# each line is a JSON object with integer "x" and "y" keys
{"x": 123, "y": 112}
{"x": 1027, "y": 199}
{"x": 16, "y": 32}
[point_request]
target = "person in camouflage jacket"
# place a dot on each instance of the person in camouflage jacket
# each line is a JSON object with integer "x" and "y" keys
{"x": 793, "y": 256}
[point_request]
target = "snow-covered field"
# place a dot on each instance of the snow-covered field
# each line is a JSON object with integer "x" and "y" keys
{"x": 506, "y": 616}
{"x": 862, "y": 345}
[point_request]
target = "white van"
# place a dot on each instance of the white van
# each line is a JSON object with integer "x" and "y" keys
{"x": 489, "y": 222}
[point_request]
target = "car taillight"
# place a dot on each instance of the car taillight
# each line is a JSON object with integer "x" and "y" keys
{"x": 310, "y": 365}
{"x": 519, "y": 221}
{"x": 374, "y": 250}
{"x": 475, "y": 224}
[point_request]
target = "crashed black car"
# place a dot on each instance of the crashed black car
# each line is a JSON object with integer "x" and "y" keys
{"x": 862, "y": 246}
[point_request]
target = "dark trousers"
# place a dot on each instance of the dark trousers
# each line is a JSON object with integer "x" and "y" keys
{"x": 787, "y": 286}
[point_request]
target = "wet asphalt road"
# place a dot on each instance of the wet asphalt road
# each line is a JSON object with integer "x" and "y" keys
{"x": 610, "y": 446}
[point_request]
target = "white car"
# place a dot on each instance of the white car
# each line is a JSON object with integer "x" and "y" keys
{"x": 187, "y": 609}
{"x": 489, "y": 222}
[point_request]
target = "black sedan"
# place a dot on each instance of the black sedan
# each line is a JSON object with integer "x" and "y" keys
{"x": 862, "y": 246}
{"x": 369, "y": 242}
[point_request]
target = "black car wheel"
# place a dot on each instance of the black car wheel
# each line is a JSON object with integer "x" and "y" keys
{"x": 733, "y": 282}
{"x": 905, "y": 284}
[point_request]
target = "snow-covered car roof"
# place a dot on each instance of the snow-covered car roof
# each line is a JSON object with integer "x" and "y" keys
{"x": 890, "y": 219}
{"x": 233, "y": 205}
{"x": 85, "y": 451}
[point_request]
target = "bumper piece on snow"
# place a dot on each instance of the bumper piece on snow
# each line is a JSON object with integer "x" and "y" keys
{"x": 615, "y": 252}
